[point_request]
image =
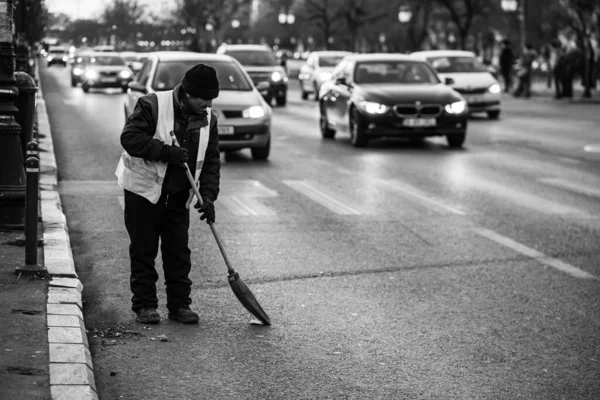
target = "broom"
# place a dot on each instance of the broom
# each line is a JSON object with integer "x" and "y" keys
{"x": 241, "y": 291}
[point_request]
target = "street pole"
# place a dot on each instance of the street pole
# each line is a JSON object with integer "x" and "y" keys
{"x": 12, "y": 165}
{"x": 522, "y": 23}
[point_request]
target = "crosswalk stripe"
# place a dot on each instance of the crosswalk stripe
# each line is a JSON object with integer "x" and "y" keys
{"x": 425, "y": 200}
{"x": 532, "y": 253}
{"x": 244, "y": 206}
{"x": 572, "y": 186}
{"x": 326, "y": 200}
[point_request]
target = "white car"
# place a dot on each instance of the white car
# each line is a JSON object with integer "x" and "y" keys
{"x": 470, "y": 78}
{"x": 244, "y": 116}
{"x": 318, "y": 69}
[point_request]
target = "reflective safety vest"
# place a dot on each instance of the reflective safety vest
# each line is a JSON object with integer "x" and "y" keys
{"x": 145, "y": 177}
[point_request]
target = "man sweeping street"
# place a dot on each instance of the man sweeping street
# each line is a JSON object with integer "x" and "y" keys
{"x": 158, "y": 193}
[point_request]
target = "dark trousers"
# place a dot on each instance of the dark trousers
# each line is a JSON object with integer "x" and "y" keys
{"x": 507, "y": 76}
{"x": 524, "y": 87}
{"x": 146, "y": 223}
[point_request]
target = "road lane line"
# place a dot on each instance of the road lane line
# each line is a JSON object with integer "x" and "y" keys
{"x": 572, "y": 186}
{"x": 534, "y": 254}
{"x": 322, "y": 198}
{"x": 406, "y": 189}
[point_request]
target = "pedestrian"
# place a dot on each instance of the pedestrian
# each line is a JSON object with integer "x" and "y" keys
{"x": 507, "y": 60}
{"x": 556, "y": 67}
{"x": 158, "y": 193}
{"x": 525, "y": 72}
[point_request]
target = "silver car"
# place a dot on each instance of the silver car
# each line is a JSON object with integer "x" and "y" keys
{"x": 244, "y": 116}
{"x": 318, "y": 69}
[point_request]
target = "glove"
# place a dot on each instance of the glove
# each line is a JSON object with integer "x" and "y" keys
{"x": 206, "y": 210}
{"x": 174, "y": 155}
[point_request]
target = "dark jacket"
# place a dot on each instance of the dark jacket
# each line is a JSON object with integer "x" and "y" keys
{"x": 137, "y": 140}
{"x": 507, "y": 59}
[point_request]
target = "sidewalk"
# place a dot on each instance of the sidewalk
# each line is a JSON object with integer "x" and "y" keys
{"x": 45, "y": 352}
{"x": 541, "y": 92}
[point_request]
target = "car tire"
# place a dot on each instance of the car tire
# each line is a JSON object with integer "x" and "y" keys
{"x": 357, "y": 130}
{"x": 268, "y": 99}
{"x": 326, "y": 131}
{"x": 456, "y": 140}
{"x": 86, "y": 88}
{"x": 281, "y": 101}
{"x": 493, "y": 114}
{"x": 261, "y": 153}
{"x": 73, "y": 83}
{"x": 124, "y": 89}
{"x": 316, "y": 91}
{"x": 304, "y": 93}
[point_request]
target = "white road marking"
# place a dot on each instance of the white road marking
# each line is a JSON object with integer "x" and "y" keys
{"x": 592, "y": 148}
{"x": 237, "y": 206}
{"x": 534, "y": 254}
{"x": 425, "y": 200}
{"x": 572, "y": 186}
{"x": 326, "y": 200}
{"x": 531, "y": 201}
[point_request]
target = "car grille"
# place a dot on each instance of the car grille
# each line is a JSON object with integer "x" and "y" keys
{"x": 413, "y": 110}
{"x": 108, "y": 73}
{"x": 471, "y": 90}
{"x": 259, "y": 76}
{"x": 232, "y": 114}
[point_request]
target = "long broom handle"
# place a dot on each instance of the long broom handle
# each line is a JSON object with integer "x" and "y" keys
{"x": 212, "y": 227}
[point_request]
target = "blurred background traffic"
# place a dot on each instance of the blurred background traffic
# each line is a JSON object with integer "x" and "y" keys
{"x": 294, "y": 28}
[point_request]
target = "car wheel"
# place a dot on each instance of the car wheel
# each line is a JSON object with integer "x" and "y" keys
{"x": 456, "y": 140}
{"x": 304, "y": 93}
{"x": 326, "y": 131}
{"x": 261, "y": 153}
{"x": 269, "y": 99}
{"x": 493, "y": 114}
{"x": 124, "y": 89}
{"x": 357, "y": 130}
{"x": 316, "y": 91}
{"x": 73, "y": 83}
{"x": 85, "y": 87}
{"x": 281, "y": 101}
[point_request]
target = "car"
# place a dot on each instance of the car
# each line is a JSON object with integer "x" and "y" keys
{"x": 244, "y": 115}
{"x": 80, "y": 60}
{"x": 260, "y": 63}
{"x": 383, "y": 95}
{"x": 57, "y": 55}
{"x": 139, "y": 61}
{"x": 106, "y": 70}
{"x": 109, "y": 48}
{"x": 318, "y": 69}
{"x": 130, "y": 57}
{"x": 472, "y": 79}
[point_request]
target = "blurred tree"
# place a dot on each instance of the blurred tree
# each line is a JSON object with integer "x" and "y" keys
{"x": 463, "y": 14}
{"x": 31, "y": 17}
{"x": 120, "y": 18}
{"x": 358, "y": 13}
{"x": 325, "y": 15}
{"x": 89, "y": 29}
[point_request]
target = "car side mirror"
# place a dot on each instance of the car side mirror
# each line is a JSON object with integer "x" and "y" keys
{"x": 263, "y": 85}
{"x": 341, "y": 81}
{"x": 449, "y": 81}
{"x": 137, "y": 87}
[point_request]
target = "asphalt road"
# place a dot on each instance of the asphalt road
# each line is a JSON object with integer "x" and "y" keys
{"x": 399, "y": 271}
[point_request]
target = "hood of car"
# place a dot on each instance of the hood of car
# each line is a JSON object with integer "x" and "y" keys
{"x": 471, "y": 80}
{"x": 236, "y": 100}
{"x": 254, "y": 68}
{"x": 108, "y": 68}
{"x": 387, "y": 93}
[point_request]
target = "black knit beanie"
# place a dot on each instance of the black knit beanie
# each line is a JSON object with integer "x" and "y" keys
{"x": 201, "y": 81}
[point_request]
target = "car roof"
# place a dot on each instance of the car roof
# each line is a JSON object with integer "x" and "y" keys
{"x": 331, "y": 52}
{"x": 188, "y": 55}
{"x": 382, "y": 57}
{"x": 443, "y": 53}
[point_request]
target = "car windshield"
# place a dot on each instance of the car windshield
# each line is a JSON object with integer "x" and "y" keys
{"x": 107, "y": 60}
{"x": 254, "y": 57}
{"x": 456, "y": 64}
{"x": 329, "y": 61}
{"x": 394, "y": 72}
{"x": 169, "y": 74}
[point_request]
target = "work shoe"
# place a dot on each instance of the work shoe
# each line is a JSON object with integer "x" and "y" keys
{"x": 185, "y": 316}
{"x": 147, "y": 316}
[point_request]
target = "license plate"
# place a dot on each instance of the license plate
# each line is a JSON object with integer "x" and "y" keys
{"x": 108, "y": 80}
{"x": 419, "y": 122}
{"x": 225, "y": 130}
{"x": 474, "y": 99}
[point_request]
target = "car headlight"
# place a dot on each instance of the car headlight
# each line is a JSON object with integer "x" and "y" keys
{"x": 65, "y": 58}
{"x": 374, "y": 108}
{"x": 276, "y": 76}
{"x": 125, "y": 74}
{"x": 77, "y": 71}
{"x": 253, "y": 112}
{"x": 458, "y": 107}
{"x": 50, "y": 58}
{"x": 325, "y": 76}
{"x": 494, "y": 89}
{"x": 91, "y": 74}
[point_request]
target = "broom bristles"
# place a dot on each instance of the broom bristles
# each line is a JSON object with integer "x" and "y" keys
{"x": 245, "y": 296}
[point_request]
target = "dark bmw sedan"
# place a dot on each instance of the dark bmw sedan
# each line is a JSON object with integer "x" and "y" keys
{"x": 390, "y": 95}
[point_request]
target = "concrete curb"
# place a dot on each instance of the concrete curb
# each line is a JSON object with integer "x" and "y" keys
{"x": 71, "y": 369}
